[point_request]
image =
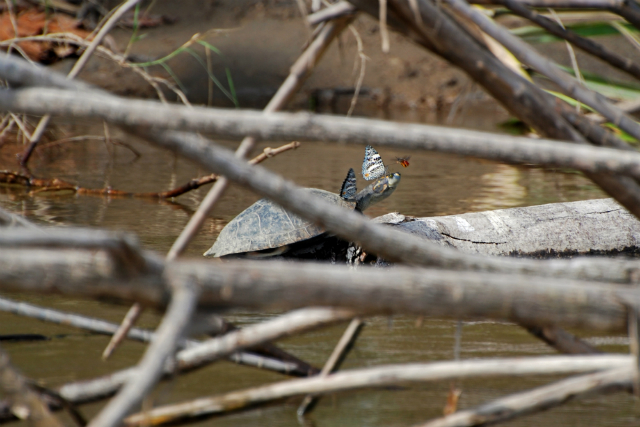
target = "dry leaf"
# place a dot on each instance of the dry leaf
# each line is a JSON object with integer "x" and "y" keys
{"x": 32, "y": 22}
{"x": 452, "y": 400}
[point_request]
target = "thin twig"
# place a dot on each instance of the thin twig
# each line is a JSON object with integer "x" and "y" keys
{"x": 336, "y": 10}
{"x": 334, "y": 361}
{"x": 384, "y": 32}
{"x": 106, "y": 138}
{"x": 21, "y": 125}
{"x": 363, "y": 63}
{"x": 572, "y": 56}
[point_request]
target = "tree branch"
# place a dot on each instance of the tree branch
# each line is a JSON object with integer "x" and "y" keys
{"x": 532, "y": 300}
{"x": 536, "y": 400}
{"x": 375, "y": 377}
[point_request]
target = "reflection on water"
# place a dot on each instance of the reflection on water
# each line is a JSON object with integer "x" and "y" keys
{"x": 501, "y": 188}
{"x": 434, "y": 184}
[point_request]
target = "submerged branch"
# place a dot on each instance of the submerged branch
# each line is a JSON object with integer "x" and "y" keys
{"x": 56, "y": 184}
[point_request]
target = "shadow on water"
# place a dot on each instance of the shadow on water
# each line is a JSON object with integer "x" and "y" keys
{"x": 434, "y": 184}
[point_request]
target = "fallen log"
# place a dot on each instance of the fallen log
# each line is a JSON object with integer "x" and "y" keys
{"x": 556, "y": 230}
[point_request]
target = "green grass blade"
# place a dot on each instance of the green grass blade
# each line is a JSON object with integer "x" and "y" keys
{"x": 211, "y": 76}
{"x": 159, "y": 61}
{"x": 210, "y": 47}
{"x": 174, "y": 77}
{"x": 535, "y": 34}
{"x": 232, "y": 88}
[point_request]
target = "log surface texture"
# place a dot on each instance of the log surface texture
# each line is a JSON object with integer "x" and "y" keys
{"x": 589, "y": 227}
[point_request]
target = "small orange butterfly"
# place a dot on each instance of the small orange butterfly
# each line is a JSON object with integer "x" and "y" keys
{"x": 404, "y": 161}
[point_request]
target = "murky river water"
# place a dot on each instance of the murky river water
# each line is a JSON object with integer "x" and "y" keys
{"x": 434, "y": 184}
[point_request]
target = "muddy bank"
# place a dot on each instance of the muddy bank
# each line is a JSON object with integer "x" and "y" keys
{"x": 259, "y": 40}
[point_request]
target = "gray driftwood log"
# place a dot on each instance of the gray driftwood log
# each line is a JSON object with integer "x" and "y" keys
{"x": 589, "y": 227}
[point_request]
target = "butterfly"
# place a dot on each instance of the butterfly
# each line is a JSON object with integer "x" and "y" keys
{"x": 372, "y": 166}
{"x": 348, "y": 190}
{"x": 404, "y": 161}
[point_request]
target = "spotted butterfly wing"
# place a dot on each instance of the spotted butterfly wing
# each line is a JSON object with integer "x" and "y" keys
{"x": 348, "y": 190}
{"x": 372, "y": 166}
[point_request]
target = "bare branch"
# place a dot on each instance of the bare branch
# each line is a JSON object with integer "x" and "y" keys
{"x": 25, "y": 403}
{"x": 150, "y": 369}
{"x": 539, "y": 399}
{"x": 336, "y": 10}
{"x": 303, "y": 126}
{"x": 532, "y": 300}
{"x": 334, "y": 361}
{"x": 213, "y": 349}
{"x": 529, "y": 56}
{"x": 379, "y": 376}
{"x": 589, "y": 46}
{"x": 564, "y": 4}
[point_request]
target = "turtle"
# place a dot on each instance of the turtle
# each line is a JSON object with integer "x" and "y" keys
{"x": 265, "y": 229}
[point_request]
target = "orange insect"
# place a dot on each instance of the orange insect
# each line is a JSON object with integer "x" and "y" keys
{"x": 404, "y": 161}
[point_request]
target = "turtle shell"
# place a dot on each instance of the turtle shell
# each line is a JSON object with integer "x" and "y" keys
{"x": 266, "y": 225}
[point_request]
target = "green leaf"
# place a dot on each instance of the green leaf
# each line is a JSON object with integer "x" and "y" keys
{"x": 535, "y": 34}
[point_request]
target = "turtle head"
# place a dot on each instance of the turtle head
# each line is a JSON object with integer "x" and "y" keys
{"x": 379, "y": 190}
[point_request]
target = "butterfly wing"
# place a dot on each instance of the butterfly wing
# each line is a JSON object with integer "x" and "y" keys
{"x": 372, "y": 166}
{"x": 348, "y": 190}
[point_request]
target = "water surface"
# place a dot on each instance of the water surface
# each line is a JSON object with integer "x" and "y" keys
{"x": 434, "y": 184}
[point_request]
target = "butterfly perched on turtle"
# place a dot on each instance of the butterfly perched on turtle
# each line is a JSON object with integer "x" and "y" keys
{"x": 373, "y": 169}
{"x": 265, "y": 229}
